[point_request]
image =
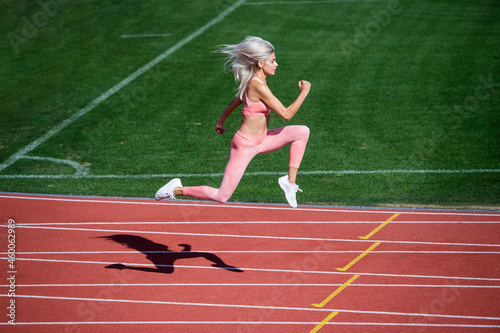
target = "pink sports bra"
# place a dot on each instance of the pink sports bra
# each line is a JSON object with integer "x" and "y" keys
{"x": 259, "y": 109}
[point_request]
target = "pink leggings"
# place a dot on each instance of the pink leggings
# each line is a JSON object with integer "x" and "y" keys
{"x": 243, "y": 149}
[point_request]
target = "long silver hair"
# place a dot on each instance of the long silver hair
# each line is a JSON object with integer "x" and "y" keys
{"x": 244, "y": 58}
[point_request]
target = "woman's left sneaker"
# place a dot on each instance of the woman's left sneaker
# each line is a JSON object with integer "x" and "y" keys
{"x": 168, "y": 191}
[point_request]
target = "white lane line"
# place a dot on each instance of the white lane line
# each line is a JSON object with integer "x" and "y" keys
{"x": 256, "y": 206}
{"x": 246, "y": 222}
{"x": 260, "y": 252}
{"x": 238, "y": 285}
{"x": 56, "y": 129}
{"x": 261, "y": 173}
{"x": 263, "y": 269}
{"x": 245, "y": 306}
{"x": 254, "y": 236}
{"x": 247, "y": 323}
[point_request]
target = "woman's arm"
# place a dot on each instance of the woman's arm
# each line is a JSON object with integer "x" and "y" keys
{"x": 186, "y": 247}
{"x": 219, "y": 128}
{"x": 264, "y": 94}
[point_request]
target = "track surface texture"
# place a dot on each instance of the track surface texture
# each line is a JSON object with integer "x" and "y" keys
{"x": 91, "y": 264}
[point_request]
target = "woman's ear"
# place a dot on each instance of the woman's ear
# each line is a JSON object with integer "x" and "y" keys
{"x": 260, "y": 64}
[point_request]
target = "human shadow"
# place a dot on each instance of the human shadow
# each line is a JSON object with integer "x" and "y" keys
{"x": 161, "y": 256}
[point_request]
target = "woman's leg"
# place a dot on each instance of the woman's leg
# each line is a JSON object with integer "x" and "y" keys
{"x": 239, "y": 158}
{"x": 243, "y": 149}
{"x": 277, "y": 138}
{"x": 292, "y": 174}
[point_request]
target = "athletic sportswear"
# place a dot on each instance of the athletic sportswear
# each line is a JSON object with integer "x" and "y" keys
{"x": 256, "y": 109}
{"x": 244, "y": 147}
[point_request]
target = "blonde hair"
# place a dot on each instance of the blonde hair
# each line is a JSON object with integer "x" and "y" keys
{"x": 244, "y": 58}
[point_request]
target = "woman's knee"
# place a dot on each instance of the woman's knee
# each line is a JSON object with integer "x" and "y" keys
{"x": 224, "y": 194}
{"x": 306, "y": 130}
{"x": 303, "y": 132}
{"x": 223, "y": 199}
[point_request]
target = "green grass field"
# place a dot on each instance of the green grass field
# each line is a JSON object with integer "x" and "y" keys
{"x": 404, "y": 106}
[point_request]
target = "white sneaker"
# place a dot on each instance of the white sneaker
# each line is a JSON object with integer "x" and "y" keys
{"x": 290, "y": 190}
{"x": 168, "y": 191}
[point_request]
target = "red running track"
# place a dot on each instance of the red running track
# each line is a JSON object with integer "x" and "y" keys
{"x": 283, "y": 269}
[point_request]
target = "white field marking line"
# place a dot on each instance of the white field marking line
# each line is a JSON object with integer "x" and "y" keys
{"x": 235, "y": 306}
{"x": 248, "y": 206}
{"x": 81, "y": 170}
{"x": 246, "y": 323}
{"x": 145, "y": 35}
{"x": 247, "y": 222}
{"x": 258, "y": 252}
{"x": 261, "y": 269}
{"x": 250, "y": 285}
{"x": 305, "y": 2}
{"x": 253, "y": 236}
{"x": 263, "y": 173}
{"x": 56, "y": 129}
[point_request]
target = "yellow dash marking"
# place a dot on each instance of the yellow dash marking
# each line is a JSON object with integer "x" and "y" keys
{"x": 377, "y": 229}
{"x": 349, "y": 265}
{"x": 336, "y": 292}
{"x": 323, "y": 323}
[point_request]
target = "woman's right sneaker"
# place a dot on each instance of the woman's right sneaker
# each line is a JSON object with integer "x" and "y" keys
{"x": 290, "y": 190}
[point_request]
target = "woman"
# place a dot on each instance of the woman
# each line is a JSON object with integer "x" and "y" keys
{"x": 252, "y": 61}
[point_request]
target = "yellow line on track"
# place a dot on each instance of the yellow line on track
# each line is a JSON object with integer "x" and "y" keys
{"x": 349, "y": 265}
{"x": 336, "y": 292}
{"x": 323, "y": 323}
{"x": 377, "y": 229}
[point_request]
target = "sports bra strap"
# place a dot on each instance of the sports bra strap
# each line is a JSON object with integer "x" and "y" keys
{"x": 256, "y": 78}
{"x": 246, "y": 91}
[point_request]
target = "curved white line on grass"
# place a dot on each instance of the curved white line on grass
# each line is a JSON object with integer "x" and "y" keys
{"x": 56, "y": 129}
{"x": 245, "y": 306}
{"x": 259, "y": 173}
{"x": 80, "y": 170}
